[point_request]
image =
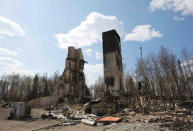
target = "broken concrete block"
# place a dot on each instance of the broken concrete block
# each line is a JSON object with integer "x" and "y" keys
{"x": 86, "y": 108}
{"x": 88, "y": 122}
{"x": 20, "y": 110}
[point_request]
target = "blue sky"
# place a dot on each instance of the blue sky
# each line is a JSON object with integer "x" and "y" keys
{"x": 34, "y": 35}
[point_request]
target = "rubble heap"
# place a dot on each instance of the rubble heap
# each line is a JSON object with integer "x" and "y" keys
{"x": 72, "y": 82}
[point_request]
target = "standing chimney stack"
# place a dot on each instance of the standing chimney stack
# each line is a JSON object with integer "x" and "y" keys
{"x": 112, "y": 59}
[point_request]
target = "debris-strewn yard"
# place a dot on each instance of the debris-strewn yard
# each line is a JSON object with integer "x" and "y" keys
{"x": 67, "y": 117}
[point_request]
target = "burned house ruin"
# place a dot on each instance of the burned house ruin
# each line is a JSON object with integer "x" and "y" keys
{"x": 72, "y": 82}
{"x": 113, "y": 77}
{"x": 112, "y": 59}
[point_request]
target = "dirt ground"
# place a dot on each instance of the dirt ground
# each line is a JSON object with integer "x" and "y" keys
{"x": 180, "y": 118}
{"x": 17, "y": 125}
{"x": 25, "y": 125}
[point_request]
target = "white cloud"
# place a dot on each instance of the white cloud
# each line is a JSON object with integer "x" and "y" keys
{"x": 185, "y": 7}
{"x": 98, "y": 55}
{"x": 7, "y": 52}
{"x": 10, "y": 28}
{"x": 1, "y": 37}
{"x": 10, "y": 65}
{"x": 177, "y": 18}
{"x": 142, "y": 33}
{"x": 88, "y": 52}
{"x": 10, "y": 62}
{"x": 89, "y": 31}
{"x": 190, "y": 62}
{"x": 92, "y": 54}
{"x": 93, "y": 72}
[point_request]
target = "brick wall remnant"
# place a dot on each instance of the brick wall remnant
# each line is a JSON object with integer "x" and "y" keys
{"x": 72, "y": 82}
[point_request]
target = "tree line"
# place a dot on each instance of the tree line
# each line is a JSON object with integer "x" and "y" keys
{"x": 158, "y": 76}
{"x": 16, "y": 87}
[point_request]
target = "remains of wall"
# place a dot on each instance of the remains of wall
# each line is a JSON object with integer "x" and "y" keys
{"x": 20, "y": 110}
{"x": 44, "y": 101}
{"x": 72, "y": 82}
